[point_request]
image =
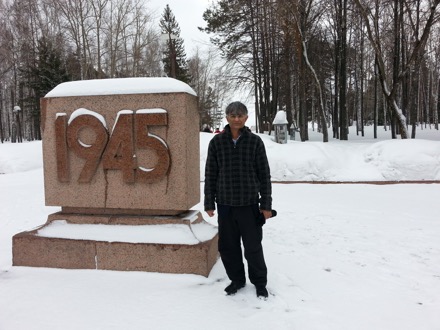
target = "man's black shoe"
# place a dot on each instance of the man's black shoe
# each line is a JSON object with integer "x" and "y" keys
{"x": 234, "y": 287}
{"x": 262, "y": 292}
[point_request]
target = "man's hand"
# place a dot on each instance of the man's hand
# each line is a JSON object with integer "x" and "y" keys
{"x": 267, "y": 214}
{"x": 210, "y": 213}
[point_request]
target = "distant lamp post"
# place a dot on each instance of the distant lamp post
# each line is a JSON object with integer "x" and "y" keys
{"x": 16, "y": 127}
{"x": 169, "y": 38}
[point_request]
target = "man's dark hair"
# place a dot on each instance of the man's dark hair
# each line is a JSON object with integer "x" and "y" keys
{"x": 236, "y": 108}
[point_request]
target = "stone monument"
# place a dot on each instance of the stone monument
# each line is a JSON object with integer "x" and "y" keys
{"x": 121, "y": 157}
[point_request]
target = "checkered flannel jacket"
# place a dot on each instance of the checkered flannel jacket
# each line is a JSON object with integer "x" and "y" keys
{"x": 237, "y": 174}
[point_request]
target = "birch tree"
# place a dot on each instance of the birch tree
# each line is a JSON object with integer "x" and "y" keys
{"x": 304, "y": 54}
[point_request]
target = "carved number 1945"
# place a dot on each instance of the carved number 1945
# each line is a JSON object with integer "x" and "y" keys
{"x": 117, "y": 152}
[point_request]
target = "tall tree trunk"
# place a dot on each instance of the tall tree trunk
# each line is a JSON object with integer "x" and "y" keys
{"x": 437, "y": 110}
{"x": 376, "y": 100}
{"x": 322, "y": 118}
{"x": 253, "y": 36}
{"x": 335, "y": 119}
{"x": 343, "y": 120}
{"x": 2, "y": 135}
{"x": 361, "y": 100}
{"x": 304, "y": 60}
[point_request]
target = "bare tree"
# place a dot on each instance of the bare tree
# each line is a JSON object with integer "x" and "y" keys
{"x": 304, "y": 54}
{"x": 212, "y": 85}
{"x": 390, "y": 92}
{"x": 98, "y": 8}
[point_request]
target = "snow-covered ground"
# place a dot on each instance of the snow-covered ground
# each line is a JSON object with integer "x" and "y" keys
{"x": 340, "y": 256}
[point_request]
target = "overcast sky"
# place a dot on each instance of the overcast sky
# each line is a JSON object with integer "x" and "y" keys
{"x": 188, "y": 14}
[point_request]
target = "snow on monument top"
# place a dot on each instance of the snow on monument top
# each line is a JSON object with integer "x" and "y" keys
{"x": 120, "y": 86}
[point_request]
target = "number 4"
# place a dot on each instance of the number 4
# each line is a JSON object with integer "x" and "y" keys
{"x": 120, "y": 153}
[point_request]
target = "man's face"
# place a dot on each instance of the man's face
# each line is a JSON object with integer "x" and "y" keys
{"x": 236, "y": 121}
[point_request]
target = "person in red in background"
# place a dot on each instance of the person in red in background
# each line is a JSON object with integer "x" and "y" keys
{"x": 217, "y": 130}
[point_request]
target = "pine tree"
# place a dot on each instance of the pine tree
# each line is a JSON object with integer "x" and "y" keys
{"x": 49, "y": 69}
{"x": 41, "y": 76}
{"x": 174, "y": 56}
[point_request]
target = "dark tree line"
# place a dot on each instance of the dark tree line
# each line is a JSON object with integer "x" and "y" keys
{"x": 334, "y": 62}
{"x": 47, "y": 42}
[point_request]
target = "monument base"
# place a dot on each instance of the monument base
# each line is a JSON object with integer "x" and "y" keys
{"x": 183, "y": 244}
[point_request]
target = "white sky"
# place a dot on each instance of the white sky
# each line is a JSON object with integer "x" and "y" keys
{"x": 188, "y": 14}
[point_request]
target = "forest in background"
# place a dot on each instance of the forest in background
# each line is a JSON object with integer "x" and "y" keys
{"x": 337, "y": 62}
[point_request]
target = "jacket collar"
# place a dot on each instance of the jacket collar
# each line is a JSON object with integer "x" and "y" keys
{"x": 243, "y": 131}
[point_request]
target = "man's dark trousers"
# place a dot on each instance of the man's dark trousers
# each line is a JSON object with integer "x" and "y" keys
{"x": 236, "y": 223}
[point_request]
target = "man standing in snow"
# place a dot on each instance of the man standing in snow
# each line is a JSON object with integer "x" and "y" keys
{"x": 237, "y": 178}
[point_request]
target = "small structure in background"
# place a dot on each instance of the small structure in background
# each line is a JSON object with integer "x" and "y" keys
{"x": 280, "y": 127}
{"x": 293, "y": 130}
{"x": 16, "y": 126}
